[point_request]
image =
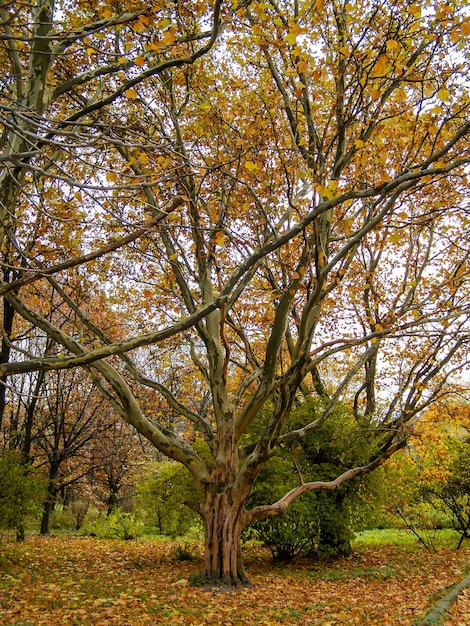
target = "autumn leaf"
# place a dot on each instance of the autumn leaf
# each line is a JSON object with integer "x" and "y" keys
{"x": 84, "y": 580}
{"x": 131, "y": 94}
{"x": 393, "y": 45}
{"x": 443, "y": 95}
{"x": 219, "y": 238}
{"x": 294, "y": 31}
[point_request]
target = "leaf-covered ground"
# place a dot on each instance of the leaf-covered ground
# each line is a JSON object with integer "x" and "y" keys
{"x": 70, "y": 580}
{"x": 459, "y": 613}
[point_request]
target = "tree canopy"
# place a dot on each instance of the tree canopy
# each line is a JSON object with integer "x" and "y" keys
{"x": 219, "y": 210}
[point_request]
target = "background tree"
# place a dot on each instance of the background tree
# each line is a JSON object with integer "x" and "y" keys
{"x": 306, "y": 188}
{"x": 70, "y": 416}
{"x": 116, "y": 451}
{"x": 440, "y": 451}
{"x": 455, "y": 493}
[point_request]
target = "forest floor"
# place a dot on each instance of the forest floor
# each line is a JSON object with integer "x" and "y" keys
{"x": 77, "y": 580}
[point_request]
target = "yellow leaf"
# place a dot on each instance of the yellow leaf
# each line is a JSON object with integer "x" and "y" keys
{"x": 415, "y": 10}
{"x": 169, "y": 37}
{"x": 328, "y": 191}
{"x": 381, "y": 64}
{"x": 291, "y": 38}
{"x": 250, "y": 166}
{"x": 443, "y": 95}
{"x": 131, "y": 94}
{"x": 219, "y": 238}
{"x": 393, "y": 44}
{"x": 293, "y": 33}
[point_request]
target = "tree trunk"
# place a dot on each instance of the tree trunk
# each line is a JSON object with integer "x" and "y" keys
{"x": 5, "y": 348}
{"x": 46, "y": 515}
{"x": 113, "y": 499}
{"x": 50, "y": 501}
{"x": 224, "y": 521}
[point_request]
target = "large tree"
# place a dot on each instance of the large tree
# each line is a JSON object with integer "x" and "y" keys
{"x": 271, "y": 196}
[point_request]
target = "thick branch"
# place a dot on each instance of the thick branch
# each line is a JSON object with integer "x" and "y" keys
{"x": 279, "y": 507}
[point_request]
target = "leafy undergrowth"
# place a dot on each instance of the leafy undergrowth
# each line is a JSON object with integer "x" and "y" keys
{"x": 71, "y": 580}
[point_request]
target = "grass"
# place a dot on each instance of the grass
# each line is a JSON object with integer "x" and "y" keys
{"x": 402, "y": 537}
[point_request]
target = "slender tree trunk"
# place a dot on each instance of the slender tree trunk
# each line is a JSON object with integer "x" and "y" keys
{"x": 8, "y": 316}
{"x": 49, "y": 503}
{"x": 113, "y": 496}
{"x": 224, "y": 520}
{"x": 46, "y": 515}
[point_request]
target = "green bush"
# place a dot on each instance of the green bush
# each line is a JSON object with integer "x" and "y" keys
{"x": 62, "y": 518}
{"x": 321, "y": 522}
{"x": 296, "y": 532}
{"x": 160, "y": 498}
{"x": 316, "y": 524}
{"x": 69, "y": 517}
{"x": 22, "y": 490}
{"x": 116, "y": 525}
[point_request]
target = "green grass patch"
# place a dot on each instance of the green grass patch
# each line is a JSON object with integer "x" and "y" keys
{"x": 444, "y": 538}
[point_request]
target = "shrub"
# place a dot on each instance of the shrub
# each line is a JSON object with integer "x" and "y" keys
{"x": 22, "y": 490}
{"x": 185, "y": 553}
{"x": 116, "y": 525}
{"x": 160, "y": 499}
{"x": 320, "y": 523}
{"x": 296, "y": 532}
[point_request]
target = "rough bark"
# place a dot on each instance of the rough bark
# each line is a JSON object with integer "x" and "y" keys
{"x": 224, "y": 521}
